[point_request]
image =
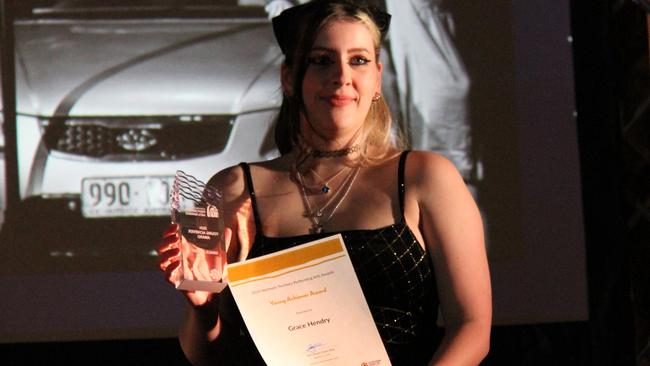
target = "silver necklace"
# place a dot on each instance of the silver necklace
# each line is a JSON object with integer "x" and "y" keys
{"x": 335, "y": 198}
{"x": 317, "y": 217}
{"x": 325, "y": 186}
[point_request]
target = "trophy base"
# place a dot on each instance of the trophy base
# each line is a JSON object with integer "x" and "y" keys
{"x": 196, "y": 285}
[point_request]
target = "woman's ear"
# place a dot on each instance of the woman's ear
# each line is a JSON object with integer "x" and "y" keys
{"x": 287, "y": 80}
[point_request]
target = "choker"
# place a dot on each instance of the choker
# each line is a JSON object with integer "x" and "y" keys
{"x": 335, "y": 153}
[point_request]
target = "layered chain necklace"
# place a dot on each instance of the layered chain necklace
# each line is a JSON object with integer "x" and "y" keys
{"x": 320, "y": 216}
{"x": 324, "y": 185}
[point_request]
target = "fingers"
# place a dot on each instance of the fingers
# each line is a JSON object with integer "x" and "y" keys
{"x": 227, "y": 237}
{"x": 168, "y": 255}
{"x": 169, "y": 239}
{"x": 169, "y": 262}
{"x": 172, "y": 254}
{"x": 167, "y": 243}
{"x": 169, "y": 252}
{"x": 171, "y": 229}
{"x": 169, "y": 269}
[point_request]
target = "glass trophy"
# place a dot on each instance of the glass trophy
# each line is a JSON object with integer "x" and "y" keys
{"x": 197, "y": 210}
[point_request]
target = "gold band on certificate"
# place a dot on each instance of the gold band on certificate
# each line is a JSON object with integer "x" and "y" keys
{"x": 304, "y": 306}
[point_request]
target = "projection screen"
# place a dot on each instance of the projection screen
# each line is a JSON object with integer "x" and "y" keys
{"x": 111, "y": 99}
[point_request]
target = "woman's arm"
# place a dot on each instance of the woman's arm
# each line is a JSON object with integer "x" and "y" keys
{"x": 452, "y": 229}
{"x": 203, "y": 335}
{"x": 201, "y": 327}
{"x": 200, "y": 332}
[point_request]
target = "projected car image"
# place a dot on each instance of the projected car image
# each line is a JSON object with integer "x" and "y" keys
{"x": 110, "y": 102}
{"x": 108, "y": 110}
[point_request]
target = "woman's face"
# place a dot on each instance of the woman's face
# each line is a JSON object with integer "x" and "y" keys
{"x": 342, "y": 77}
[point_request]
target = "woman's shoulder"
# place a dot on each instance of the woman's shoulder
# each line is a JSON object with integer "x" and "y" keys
{"x": 431, "y": 160}
{"x": 431, "y": 172}
{"x": 232, "y": 180}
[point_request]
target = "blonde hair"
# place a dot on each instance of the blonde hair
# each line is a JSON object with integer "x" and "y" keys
{"x": 376, "y": 132}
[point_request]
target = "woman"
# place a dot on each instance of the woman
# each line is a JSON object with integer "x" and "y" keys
{"x": 412, "y": 229}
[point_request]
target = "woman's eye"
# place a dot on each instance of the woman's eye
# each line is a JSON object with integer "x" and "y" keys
{"x": 359, "y": 61}
{"x": 319, "y": 60}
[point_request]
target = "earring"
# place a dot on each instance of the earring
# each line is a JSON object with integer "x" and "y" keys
{"x": 376, "y": 97}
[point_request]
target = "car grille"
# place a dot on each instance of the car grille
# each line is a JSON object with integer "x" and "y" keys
{"x": 138, "y": 138}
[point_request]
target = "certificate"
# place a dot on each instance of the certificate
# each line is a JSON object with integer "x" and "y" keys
{"x": 304, "y": 306}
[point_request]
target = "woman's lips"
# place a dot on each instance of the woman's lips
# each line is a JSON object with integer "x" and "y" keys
{"x": 338, "y": 100}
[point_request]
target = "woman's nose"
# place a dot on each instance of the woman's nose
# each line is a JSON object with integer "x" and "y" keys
{"x": 342, "y": 74}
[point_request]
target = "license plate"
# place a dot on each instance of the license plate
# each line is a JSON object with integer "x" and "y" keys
{"x": 126, "y": 196}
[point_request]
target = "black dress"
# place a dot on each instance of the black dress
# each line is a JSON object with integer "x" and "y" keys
{"x": 395, "y": 274}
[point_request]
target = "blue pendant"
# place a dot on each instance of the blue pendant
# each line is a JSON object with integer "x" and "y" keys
{"x": 325, "y": 189}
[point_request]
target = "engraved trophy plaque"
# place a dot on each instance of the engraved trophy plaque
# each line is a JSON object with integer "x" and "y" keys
{"x": 197, "y": 210}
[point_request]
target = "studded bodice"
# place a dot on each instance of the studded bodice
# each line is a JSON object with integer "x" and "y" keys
{"x": 395, "y": 274}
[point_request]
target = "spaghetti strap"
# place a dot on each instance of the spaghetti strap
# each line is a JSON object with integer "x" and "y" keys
{"x": 251, "y": 192}
{"x": 401, "y": 188}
